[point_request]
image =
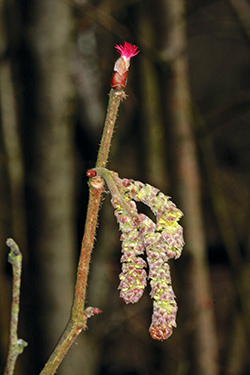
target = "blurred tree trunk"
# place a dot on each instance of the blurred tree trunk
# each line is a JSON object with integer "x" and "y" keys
{"x": 204, "y": 341}
{"x": 153, "y": 129}
{"x": 12, "y": 205}
{"x": 49, "y": 157}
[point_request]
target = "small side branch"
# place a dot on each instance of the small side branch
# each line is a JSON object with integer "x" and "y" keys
{"x": 16, "y": 346}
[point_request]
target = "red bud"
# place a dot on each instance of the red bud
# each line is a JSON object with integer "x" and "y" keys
{"x": 91, "y": 173}
{"x": 118, "y": 81}
{"x": 97, "y": 311}
{"x": 119, "y": 77}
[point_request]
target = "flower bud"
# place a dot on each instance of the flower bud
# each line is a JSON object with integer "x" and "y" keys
{"x": 118, "y": 81}
{"x": 119, "y": 77}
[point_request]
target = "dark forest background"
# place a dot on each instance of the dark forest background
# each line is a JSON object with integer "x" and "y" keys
{"x": 184, "y": 128}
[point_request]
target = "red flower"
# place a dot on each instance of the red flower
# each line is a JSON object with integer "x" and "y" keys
{"x": 119, "y": 78}
{"x": 127, "y": 50}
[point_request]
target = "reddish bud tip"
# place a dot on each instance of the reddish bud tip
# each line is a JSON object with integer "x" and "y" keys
{"x": 91, "y": 173}
{"x": 90, "y": 311}
{"x": 97, "y": 311}
{"x": 119, "y": 78}
{"x": 126, "y": 182}
{"x": 127, "y": 50}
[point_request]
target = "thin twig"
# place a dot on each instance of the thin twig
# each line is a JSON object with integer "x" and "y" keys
{"x": 16, "y": 346}
{"x": 96, "y": 189}
{"x": 115, "y": 98}
{"x": 78, "y": 319}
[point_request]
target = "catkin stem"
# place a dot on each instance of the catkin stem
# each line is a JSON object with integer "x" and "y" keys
{"x": 107, "y": 176}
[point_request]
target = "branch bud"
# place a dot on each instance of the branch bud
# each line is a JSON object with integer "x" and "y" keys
{"x": 119, "y": 77}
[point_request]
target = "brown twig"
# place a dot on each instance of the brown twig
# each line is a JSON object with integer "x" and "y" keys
{"x": 78, "y": 318}
{"x": 115, "y": 98}
{"x": 16, "y": 346}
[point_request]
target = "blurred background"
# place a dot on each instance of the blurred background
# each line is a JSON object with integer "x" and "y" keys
{"x": 184, "y": 128}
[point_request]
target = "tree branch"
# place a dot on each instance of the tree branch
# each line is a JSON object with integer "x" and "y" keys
{"x": 16, "y": 346}
{"x": 78, "y": 319}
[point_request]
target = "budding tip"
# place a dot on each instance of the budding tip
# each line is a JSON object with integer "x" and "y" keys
{"x": 128, "y": 50}
{"x": 91, "y": 173}
{"x": 126, "y": 182}
{"x": 96, "y": 311}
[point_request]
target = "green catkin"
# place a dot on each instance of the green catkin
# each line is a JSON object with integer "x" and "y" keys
{"x": 162, "y": 240}
{"x": 163, "y": 243}
{"x": 133, "y": 276}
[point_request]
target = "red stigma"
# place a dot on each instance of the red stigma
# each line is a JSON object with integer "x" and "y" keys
{"x": 127, "y": 50}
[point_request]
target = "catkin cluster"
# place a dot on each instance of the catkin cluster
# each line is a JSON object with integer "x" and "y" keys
{"x": 163, "y": 240}
{"x": 160, "y": 240}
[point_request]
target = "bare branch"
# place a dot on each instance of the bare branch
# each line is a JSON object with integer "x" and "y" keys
{"x": 16, "y": 346}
